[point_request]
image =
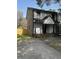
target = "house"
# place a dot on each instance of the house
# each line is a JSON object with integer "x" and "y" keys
{"x": 42, "y": 22}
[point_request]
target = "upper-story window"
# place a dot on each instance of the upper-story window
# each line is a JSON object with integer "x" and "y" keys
{"x": 39, "y": 15}
{"x": 36, "y": 14}
{"x": 42, "y": 15}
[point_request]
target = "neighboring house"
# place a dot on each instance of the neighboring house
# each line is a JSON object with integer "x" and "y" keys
{"x": 41, "y": 22}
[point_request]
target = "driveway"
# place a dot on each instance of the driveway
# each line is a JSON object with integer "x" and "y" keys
{"x": 36, "y": 49}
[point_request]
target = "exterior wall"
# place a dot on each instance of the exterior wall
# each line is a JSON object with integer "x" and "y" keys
{"x": 59, "y": 17}
{"x": 29, "y": 18}
{"x": 59, "y": 24}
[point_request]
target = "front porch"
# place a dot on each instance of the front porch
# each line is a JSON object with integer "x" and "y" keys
{"x": 44, "y": 30}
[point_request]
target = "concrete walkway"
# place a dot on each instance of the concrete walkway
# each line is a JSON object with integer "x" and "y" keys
{"x": 36, "y": 49}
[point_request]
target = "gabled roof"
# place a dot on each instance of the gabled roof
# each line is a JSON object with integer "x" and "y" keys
{"x": 48, "y": 20}
{"x": 47, "y": 11}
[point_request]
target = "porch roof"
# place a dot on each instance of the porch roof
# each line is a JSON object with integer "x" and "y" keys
{"x": 48, "y": 20}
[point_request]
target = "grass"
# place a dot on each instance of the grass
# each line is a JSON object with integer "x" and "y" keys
{"x": 23, "y": 37}
{"x": 56, "y": 44}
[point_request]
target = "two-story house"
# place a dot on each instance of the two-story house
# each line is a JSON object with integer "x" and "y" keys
{"x": 42, "y": 22}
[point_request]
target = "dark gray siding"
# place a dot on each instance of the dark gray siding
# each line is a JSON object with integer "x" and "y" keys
{"x": 29, "y": 18}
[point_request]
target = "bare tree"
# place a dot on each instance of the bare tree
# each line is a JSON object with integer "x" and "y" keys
{"x": 19, "y": 18}
{"x": 47, "y": 2}
{"x": 24, "y": 23}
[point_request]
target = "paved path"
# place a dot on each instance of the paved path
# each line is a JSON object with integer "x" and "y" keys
{"x": 36, "y": 49}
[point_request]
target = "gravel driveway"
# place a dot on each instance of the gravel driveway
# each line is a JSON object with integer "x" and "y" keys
{"x": 36, "y": 49}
